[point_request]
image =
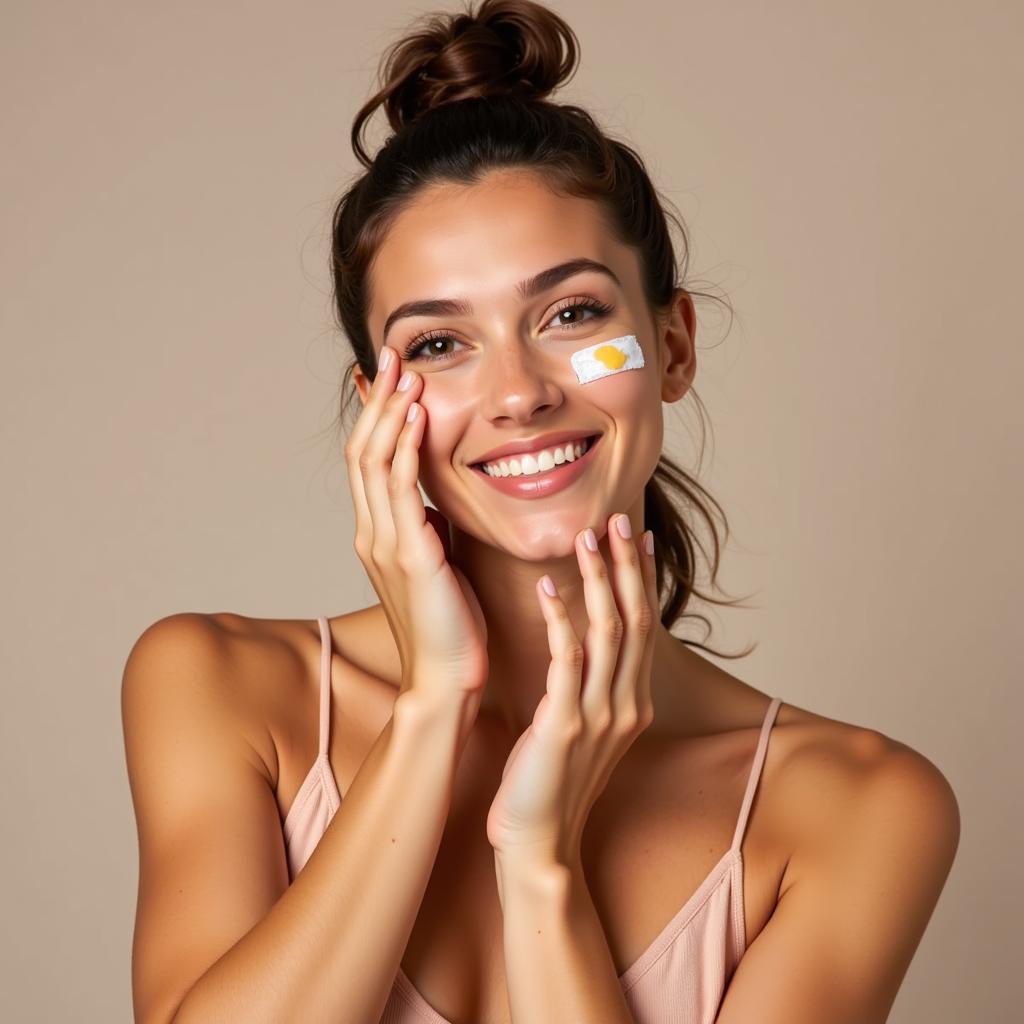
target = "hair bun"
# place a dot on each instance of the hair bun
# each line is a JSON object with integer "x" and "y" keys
{"x": 504, "y": 47}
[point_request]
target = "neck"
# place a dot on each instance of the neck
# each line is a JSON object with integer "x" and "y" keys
{"x": 517, "y": 637}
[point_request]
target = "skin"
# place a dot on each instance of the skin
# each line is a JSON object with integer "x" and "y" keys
{"x": 830, "y": 793}
{"x": 511, "y": 377}
{"x": 851, "y": 834}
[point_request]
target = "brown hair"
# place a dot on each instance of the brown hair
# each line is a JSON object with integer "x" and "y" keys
{"x": 465, "y": 94}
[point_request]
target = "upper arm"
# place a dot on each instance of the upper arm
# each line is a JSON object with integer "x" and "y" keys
{"x": 844, "y": 932}
{"x": 211, "y": 853}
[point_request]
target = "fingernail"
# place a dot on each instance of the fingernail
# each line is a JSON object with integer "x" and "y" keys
{"x": 625, "y": 528}
{"x": 549, "y": 585}
{"x": 406, "y": 382}
{"x": 589, "y": 539}
{"x": 649, "y": 542}
{"x": 385, "y": 359}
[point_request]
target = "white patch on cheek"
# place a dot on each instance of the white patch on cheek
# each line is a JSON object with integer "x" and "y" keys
{"x": 607, "y": 357}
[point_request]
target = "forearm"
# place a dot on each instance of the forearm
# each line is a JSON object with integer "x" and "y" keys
{"x": 557, "y": 962}
{"x": 330, "y": 947}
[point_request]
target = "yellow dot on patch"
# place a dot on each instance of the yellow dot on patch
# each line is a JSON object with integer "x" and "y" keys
{"x": 611, "y": 356}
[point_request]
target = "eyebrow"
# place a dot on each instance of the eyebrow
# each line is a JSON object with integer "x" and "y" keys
{"x": 527, "y": 290}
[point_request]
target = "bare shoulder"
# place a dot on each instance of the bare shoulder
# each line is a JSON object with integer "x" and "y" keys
{"x": 844, "y": 785}
{"x": 265, "y": 674}
{"x": 249, "y": 670}
{"x": 871, "y": 829}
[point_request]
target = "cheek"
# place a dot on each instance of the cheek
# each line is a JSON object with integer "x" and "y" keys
{"x": 629, "y": 393}
{"x": 614, "y": 375}
{"x": 632, "y": 399}
{"x": 446, "y": 410}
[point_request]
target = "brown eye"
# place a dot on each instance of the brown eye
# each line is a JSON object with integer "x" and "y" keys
{"x": 599, "y": 308}
{"x": 427, "y": 344}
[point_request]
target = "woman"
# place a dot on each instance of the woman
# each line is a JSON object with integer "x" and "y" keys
{"x": 506, "y": 792}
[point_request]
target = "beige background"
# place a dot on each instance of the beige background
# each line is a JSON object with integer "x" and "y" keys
{"x": 851, "y": 176}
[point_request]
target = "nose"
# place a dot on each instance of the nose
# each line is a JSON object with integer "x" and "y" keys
{"x": 520, "y": 384}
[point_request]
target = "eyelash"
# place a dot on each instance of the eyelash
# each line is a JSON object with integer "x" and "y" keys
{"x": 420, "y": 342}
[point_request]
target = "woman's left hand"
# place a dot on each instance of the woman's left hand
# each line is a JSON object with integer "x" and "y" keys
{"x": 598, "y": 701}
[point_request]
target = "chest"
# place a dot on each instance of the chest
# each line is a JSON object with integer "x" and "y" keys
{"x": 659, "y": 829}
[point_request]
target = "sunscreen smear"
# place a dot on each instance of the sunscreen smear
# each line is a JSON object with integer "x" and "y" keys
{"x": 607, "y": 357}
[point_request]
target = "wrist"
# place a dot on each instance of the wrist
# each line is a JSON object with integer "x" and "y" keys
{"x": 557, "y": 856}
{"x": 426, "y": 709}
{"x": 533, "y": 880}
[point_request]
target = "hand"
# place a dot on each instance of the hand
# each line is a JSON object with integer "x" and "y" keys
{"x": 435, "y": 617}
{"x": 598, "y": 701}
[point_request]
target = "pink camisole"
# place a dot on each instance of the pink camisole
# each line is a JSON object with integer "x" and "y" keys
{"x": 680, "y": 978}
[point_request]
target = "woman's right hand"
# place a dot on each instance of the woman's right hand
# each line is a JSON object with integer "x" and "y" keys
{"x": 436, "y": 619}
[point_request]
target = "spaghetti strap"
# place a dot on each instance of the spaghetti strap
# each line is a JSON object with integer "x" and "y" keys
{"x": 325, "y": 685}
{"x": 755, "y": 771}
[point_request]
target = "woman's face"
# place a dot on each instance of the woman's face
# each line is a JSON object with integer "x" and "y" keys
{"x": 500, "y": 369}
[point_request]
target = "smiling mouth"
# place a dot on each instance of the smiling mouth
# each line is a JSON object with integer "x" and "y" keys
{"x": 517, "y": 469}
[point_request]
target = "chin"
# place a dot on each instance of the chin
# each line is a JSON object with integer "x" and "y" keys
{"x": 550, "y": 536}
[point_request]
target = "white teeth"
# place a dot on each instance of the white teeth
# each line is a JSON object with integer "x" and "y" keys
{"x": 537, "y": 462}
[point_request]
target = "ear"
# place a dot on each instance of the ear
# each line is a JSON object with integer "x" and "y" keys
{"x": 363, "y": 384}
{"x": 676, "y": 341}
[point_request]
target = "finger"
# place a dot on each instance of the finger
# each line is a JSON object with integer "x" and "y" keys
{"x": 565, "y": 672}
{"x": 383, "y": 385}
{"x": 417, "y": 544}
{"x": 603, "y": 635}
{"x": 630, "y": 591}
{"x": 376, "y": 458}
{"x": 421, "y": 542}
{"x": 649, "y": 568}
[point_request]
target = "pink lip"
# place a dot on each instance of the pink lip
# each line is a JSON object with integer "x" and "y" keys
{"x": 540, "y": 485}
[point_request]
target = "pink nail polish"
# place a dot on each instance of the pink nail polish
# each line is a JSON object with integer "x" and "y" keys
{"x": 590, "y": 539}
{"x": 624, "y": 526}
{"x": 385, "y": 360}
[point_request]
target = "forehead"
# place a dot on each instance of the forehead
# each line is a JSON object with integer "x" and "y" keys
{"x": 478, "y": 240}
